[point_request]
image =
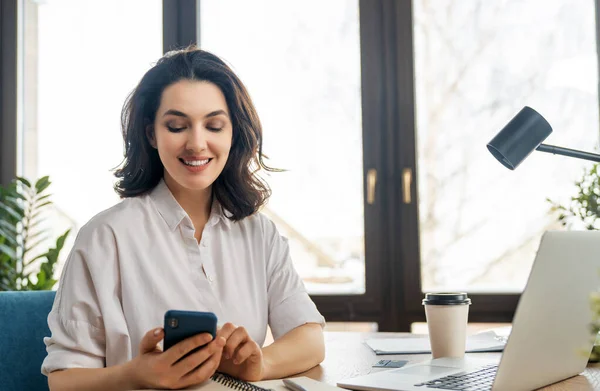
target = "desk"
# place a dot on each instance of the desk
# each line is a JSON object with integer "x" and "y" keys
{"x": 348, "y": 356}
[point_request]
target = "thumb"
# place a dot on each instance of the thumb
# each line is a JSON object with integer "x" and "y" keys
{"x": 150, "y": 339}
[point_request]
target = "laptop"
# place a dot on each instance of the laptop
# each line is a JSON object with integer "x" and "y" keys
{"x": 550, "y": 339}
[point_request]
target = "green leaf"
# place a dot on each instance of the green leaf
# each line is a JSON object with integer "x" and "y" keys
{"x": 44, "y": 204}
{"x": 8, "y": 226}
{"x": 60, "y": 242}
{"x": 8, "y": 251}
{"x": 42, "y": 184}
{"x": 19, "y": 210}
{"x": 41, "y": 277}
{"x": 47, "y": 285}
{"x": 10, "y": 211}
{"x": 16, "y": 196}
{"x": 24, "y": 181}
{"x": 8, "y": 237}
{"x": 45, "y": 196}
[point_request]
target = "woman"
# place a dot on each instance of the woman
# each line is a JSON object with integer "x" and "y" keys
{"x": 186, "y": 236}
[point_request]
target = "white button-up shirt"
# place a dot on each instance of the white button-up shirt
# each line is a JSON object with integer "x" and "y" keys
{"x": 138, "y": 259}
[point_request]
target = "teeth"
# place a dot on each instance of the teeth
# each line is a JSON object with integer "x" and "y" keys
{"x": 195, "y": 162}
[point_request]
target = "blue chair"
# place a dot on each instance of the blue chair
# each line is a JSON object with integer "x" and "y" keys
{"x": 23, "y": 326}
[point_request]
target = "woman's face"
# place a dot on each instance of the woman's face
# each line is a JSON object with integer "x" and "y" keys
{"x": 192, "y": 132}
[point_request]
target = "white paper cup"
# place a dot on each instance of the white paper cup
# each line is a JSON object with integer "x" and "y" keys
{"x": 447, "y": 315}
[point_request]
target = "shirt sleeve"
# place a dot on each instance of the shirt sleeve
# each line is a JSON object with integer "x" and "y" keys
{"x": 290, "y": 305}
{"x": 78, "y": 338}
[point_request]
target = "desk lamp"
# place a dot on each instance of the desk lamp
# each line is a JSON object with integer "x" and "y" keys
{"x": 524, "y": 133}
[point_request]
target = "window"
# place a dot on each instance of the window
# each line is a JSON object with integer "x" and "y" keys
{"x": 302, "y": 69}
{"x": 477, "y": 63}
{"x": 76, "y": 74}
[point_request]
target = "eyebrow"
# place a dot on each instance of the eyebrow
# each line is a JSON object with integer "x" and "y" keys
{"x": 182, "y": 114}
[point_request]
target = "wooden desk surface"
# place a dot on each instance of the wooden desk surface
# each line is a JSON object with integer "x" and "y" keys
{"x": 348, "y": 356}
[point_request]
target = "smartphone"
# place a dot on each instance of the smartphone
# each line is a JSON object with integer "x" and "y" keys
{"x": 180, "y": 325}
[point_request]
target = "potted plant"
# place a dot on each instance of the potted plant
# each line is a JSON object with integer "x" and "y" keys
{"x": 23, "y": 266}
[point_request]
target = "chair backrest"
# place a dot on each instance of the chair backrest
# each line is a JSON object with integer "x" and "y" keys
{"x": 23, "y": 326}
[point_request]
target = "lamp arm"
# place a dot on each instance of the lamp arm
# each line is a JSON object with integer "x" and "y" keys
{"x": 568, "y": 152}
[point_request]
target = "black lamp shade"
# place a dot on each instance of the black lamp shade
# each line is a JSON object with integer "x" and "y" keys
{"x": 521, "y": 136}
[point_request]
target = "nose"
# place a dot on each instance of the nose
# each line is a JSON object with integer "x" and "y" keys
{"x": 196, "y": 140}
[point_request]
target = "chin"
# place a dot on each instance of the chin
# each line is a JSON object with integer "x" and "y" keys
{"x": 197, "y": 185}
{"x": 194, "y": 184}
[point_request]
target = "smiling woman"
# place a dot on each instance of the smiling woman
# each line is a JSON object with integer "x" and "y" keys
{"x": 192, "y": 134}
{"x": 193, "y": 142}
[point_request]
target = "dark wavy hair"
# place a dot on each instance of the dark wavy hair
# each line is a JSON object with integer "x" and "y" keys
{"x": 238, "y": 188}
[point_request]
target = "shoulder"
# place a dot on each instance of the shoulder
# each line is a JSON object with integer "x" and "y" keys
{"x": 263, "y": 233}
{"x": 258, "y": 223}
{"x": 118, "y": 217}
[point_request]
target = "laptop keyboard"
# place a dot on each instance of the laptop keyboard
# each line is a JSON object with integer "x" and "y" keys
{"x": 478, "y": 380}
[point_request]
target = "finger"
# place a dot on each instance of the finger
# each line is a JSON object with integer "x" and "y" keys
{"x": 204, "y": 371}
{"x": 239, "y": 336}
{"x": 248, "y": 349}
{"x": 180, "y": 349}
{"x": 226, "y": 331}
{"x": 191, "y": 362}
{"x": 150, "y": 339}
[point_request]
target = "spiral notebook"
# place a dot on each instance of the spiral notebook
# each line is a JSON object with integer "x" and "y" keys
{"x": 223, "y": 382}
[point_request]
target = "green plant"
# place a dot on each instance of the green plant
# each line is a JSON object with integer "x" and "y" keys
{"x": 584, "y": 207}
{"x": 21, "y": 216}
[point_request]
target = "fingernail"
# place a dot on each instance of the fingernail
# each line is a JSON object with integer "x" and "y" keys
{"x": 236, "y": 361}
{"x": 226, "y": 356}
{"x": 156, "y": 332}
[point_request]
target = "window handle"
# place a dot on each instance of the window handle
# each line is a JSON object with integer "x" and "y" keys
{"x": 406, "y": 184}
{"x": 371, "y": 182}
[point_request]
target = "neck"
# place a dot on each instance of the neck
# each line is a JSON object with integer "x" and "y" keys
{"x": 196, "y": 203}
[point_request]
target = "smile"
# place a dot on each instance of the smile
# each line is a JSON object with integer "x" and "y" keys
{"x": 195, "y": 163}
{"x": 195, "y": 166}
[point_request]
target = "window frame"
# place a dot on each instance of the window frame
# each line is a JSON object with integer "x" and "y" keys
{"x": 8, "y": 90}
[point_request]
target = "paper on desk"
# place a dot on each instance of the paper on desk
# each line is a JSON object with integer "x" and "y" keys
{"x": 487, "y": 341}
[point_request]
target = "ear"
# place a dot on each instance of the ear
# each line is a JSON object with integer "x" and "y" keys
{"x": 150, "y": 135}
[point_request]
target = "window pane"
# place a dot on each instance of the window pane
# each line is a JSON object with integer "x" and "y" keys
{"x": 478, "y": 63}
{"x": 301, "y": 63}
{"x": 80, "y": 61}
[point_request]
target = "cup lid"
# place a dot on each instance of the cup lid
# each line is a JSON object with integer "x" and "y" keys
{"x": 446, "y": 299}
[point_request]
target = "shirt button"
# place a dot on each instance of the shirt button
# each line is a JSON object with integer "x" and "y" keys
{"x": 210, "y": 278}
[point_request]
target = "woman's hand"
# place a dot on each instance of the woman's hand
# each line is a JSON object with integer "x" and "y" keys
{"x": 153, "y": 368}
{"x": 242, "y": 357}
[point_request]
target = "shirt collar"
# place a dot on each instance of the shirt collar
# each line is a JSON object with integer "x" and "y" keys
{"x": 218, "y": 213}
{"x": 174, "y": 214}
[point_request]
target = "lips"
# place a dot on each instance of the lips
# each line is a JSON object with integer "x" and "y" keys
{"x": 195, "y": 162}
{"x": 195, "y": 165}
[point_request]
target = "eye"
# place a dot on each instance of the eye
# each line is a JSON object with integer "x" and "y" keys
{"x": 215, "y": 126}
{"x": 174, "y": 129}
